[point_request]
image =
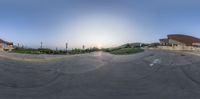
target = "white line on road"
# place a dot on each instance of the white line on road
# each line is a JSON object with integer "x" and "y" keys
{"x": 155, "y": 61}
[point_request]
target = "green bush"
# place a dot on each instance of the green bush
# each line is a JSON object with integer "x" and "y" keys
{"x": 25, "y": 50}
{"x": 45, "y": 51}
{"x": 6, "y": 50}
{"x": 50, "y": 51}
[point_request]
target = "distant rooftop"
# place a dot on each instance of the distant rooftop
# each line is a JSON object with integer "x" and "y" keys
{"x": 3, "y": 41}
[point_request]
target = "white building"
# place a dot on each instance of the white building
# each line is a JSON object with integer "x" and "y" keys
{"x": 5, "y": 45}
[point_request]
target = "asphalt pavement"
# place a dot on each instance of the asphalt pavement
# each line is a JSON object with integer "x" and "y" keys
{"x": 153, "y": 74}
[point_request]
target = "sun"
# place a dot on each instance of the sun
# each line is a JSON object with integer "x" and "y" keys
{"x": 99, "y": 45}
{"x": 97, "y": 30}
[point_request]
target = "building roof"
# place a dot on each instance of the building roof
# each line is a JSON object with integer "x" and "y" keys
{"x": 188, "y": 40}
{"x": 9, "y": 43}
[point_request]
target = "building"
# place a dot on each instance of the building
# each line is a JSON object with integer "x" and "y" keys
{"x": 5, "y": 45}
{"x": 181, "y": 40}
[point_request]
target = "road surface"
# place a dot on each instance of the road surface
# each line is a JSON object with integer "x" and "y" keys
{"x": 152, "y": 74}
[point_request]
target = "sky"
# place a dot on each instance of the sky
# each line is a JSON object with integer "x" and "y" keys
{"x": 100, "y": 23}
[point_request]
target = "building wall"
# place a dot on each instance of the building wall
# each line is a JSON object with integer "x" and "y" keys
{"x": 163, "y": 43}
{"x": 5, "y": 46}
{"x": 10, "y": 47}
{"x": 196, "y": 44}
{"x": 188, "y": 40}
{"x": 174, "y": 42}
{"x": 179, "y": 48}
{"x": 180, "y": 42}
{"x": 1, "y": 46}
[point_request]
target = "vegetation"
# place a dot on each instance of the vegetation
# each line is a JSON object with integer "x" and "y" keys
{"x": 124, "y": 49}
{"x": 121, "y": 50}
{"x": 26, "y": 50}
{"x": 50, "y": 51}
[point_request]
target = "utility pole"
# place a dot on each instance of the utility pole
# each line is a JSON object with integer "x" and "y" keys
{"x": 18, "y": 45}
{"x": 41, "y": 45}
{"x": 83, "y": 47}
{"x": 66, "y": 45}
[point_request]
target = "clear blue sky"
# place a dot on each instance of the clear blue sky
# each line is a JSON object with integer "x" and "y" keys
{"x": 101, "y": 23}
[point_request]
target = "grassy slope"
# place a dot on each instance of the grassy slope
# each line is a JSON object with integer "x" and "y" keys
{"x": 124, "y": 51}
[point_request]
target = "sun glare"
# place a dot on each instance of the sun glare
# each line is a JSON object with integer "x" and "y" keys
{"x": 101, "y": 30}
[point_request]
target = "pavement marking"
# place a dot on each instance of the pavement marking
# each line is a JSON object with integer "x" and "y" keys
{"x": 155, "y": 61}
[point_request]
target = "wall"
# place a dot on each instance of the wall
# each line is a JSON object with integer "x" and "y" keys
{"x": 1, "y": 46}
{"x": 179, "y": 48}
{"x": 176, "y": 42}
{"x": 5, "y": 46}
